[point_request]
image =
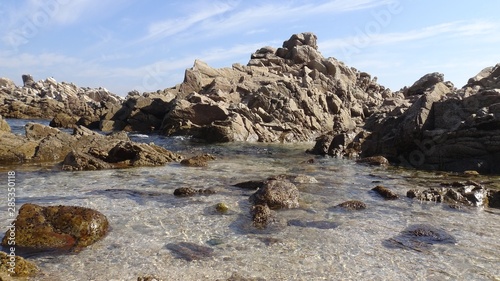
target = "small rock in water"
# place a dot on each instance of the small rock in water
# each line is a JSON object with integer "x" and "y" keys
{"x": 185, "y": 191}
{"x": 352, "y": 205}
{"x": 250, "y": 184}
{"x": 385, "y": 192}
{"x": 261, "y": 216}
{"x": 189, "y": 191}
{"x": 221, "y": 208}
{"x": 149, "y": 278}
{"x": 190, "y": 251}
{"x": 198, "y": 161}
{"x": 374, "y": 160}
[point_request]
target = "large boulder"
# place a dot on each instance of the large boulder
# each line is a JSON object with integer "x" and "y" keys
{"x": 56, "y": 227}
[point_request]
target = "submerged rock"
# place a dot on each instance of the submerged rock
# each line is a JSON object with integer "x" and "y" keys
{"x": 420, "y": 237}
{"x": 190, "y": 251}
{"x": 314, "y": 224}
{"x": 237, "y": 277}
{"x": 385, "y": 192}
{"x": 277, "y": 194}
{"x": 148, "y": 278}
{"x": 352, "y": 205}
{"x": 57, "y": 227}
{"x": 494, "y": 198}
{"x": 250, "y": 184}
{"x": 16, "y": 266}
{"x": 374, "y": 160}
{"x": 189, "y": 191}
{"x": 261, "y": 216}
{"x": 198, "y": 161}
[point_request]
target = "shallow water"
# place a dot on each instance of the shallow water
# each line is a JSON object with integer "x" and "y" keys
{"x": 145, "y": 217}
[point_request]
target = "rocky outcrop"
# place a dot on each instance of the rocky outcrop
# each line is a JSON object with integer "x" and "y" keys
{"x": 446, "y": 129}
{"x": 48, "y": 98}
{"x": 57, "y": 227}
{"x": 431, "y": 125}
{"x": 287, "y": 94}
{"x": 83, "y": 150}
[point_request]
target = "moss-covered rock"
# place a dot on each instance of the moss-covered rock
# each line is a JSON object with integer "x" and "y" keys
{"x": 15, "y": 266}
{"x": 57, "y": 227}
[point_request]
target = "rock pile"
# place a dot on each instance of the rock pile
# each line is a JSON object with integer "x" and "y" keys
{"x": 287, "y": 94}
{"x": 48, "y": 98}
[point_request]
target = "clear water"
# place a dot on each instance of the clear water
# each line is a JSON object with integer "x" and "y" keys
{"x": 145, "y": 217}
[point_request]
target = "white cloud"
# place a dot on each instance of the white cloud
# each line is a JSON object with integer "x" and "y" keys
{"x": 169, "y": 27}
{"x": 364, "y": 39}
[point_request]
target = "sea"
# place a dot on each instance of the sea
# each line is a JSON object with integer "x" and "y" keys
{"x": 317, "y": 241}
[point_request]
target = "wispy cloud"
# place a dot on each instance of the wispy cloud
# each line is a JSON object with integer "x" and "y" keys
{"x": 446, "y": 30}
{"x": 169, "y": 27}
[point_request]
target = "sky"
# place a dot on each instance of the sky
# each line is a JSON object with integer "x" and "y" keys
{"x": 147, "y": 45}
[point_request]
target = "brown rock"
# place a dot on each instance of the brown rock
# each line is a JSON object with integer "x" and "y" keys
{"x": 277, "y": 194}
{"x": 261, "y": 216}
{"x": 198, "y": 161}
{"x": 352, "y": 205}
{"x": 374, "y": 160}
{"x": 57, "y": 227}
{"x": 385, "y": 192}
{"x": 16, "y": 266}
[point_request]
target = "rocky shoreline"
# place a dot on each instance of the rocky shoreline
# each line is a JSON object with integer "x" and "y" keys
{"x": 293, "y": 94}
{"x": 287, "y": 94}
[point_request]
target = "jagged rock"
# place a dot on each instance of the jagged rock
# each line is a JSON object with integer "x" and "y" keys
{"x": 48, "y": 98}
{"x": 444, "y": 128}
{"x": 424, "y": 84}
{"x": 63, "y": 120}
{"x": 277, "y": 194}
{"x": 286, "y": 94}
{"x": 140, "y": 154}
{"x": 7, "y": 83}
{"x": 57, "y": 227}
{"x": 79, "y": 161}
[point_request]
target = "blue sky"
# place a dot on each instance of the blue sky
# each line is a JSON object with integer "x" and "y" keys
{"x": 147, "y": 45}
